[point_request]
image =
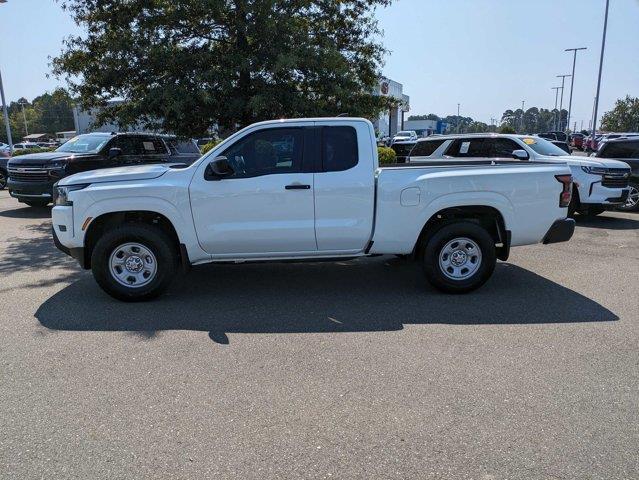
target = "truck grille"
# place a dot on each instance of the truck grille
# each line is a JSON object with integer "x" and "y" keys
{"x": 29, "y": 175}
{"x": 615, "y": 178}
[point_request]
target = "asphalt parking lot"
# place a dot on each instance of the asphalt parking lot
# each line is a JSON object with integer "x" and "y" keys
{"x": 340, "y": 370}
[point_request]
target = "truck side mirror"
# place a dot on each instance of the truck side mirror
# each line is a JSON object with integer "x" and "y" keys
{"x": 218, "y": 169}
{"x": 520, "y": 154}
{"x": 114, "y": 152}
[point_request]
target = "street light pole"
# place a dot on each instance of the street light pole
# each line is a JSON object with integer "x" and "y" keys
{"x": 572, "y": 77}
{"x": 556, "y": 89}
{"x": 561, "y": 103}
{"x": 603, "y": 46}
{"x": 24, "y": 117}
{"x": 5, "y": 113}
{"x": 522, "y": 116}
{"x": 458, "y": 118}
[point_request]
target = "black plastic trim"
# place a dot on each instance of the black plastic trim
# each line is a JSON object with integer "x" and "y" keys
{"x": 77, "y": 253}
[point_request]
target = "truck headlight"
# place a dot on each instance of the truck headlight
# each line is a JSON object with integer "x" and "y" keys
{"x": 594, "y": 170}
{"x": 61, "y": 193}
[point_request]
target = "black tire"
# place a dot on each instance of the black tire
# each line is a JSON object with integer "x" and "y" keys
{"x": 3, "y": 179}
{"x": 433, "y": 247}
{"x": 37, "y": 203}
{"x": 629, "y": 206}
{"x": 575, "y": 203}
{"x": 150, "y": 237}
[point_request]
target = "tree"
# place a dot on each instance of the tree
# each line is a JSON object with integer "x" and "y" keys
{"x": 535, "y": 120}
{"x": 47, "y": 113}
{"x": 505, "y": 128}
{"x": 430, "y": 116}
{"x": 624, "y": 117}
{"x": 186, "y": 64}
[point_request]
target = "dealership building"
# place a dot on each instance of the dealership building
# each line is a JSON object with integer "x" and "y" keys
{"x": 391, "y": 120}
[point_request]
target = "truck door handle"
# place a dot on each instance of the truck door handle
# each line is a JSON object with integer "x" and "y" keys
{"x": 297, "y": 186}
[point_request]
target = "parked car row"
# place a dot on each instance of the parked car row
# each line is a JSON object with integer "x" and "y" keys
{"x": 30, "y": 178}
{"x": 625, "y": 149}
{"x": 600, "y": 183}
{"x": 591, "y": 146}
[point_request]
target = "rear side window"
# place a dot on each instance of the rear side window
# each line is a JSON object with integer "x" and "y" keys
{"x": 339, "y": 148}
{"x": 152, "y": 145}
{"x": 466, "y": 147}
{"x": 620, "y": 150}
{"x": 426, "y": 148}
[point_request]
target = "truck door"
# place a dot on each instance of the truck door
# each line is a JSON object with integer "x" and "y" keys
{"x": 344, "y": 187}
{"x": 266, "y": 205}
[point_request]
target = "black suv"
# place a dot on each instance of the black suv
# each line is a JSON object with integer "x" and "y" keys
{"x": 626, "y": 150}
{"x": 31, "y": 177}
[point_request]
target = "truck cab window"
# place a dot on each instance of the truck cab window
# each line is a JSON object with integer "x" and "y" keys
{"x": 339, "y": 148}
{"x": 267, "y": 152}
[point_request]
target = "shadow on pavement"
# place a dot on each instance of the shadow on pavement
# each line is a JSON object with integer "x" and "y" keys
{"x": 608, "y": 223}
{"x": 36, "y": 251}
{"x": 380, "y": 294}
{"x": 27, "y": 212}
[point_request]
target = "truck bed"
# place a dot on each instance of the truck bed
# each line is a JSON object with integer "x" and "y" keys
{"x": 525, "y": 194}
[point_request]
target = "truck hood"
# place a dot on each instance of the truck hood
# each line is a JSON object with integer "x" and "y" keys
{"x": 118, "y": 174}
{"x": 41, "y": 159}
{"x": 587, "y": 161}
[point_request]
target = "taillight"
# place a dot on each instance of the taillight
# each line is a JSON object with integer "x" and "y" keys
{"x": 566, "y": 192}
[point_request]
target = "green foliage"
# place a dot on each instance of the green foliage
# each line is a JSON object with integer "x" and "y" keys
{"x": 184, "y": 65}
{"x": 47, "y": 113}
{"x": 477, "y": 127}
{"x": 28, "y": 151}
{"x": 535, "y": 120}
{"x": 624, "y": 117}
{"x": 208, "y": 146}
{"x": 430, "y": 116}
{"x": 505, "y": 128}
{"x": 386, "y": 155}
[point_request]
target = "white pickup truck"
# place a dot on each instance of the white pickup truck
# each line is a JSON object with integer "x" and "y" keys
{"x": 305, "y": 189}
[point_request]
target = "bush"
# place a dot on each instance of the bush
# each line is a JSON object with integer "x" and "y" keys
{"x": 386, "y": 155}
{"x": 27, "y": 151}
{"x": 506, "y": 129}
{"x": 208, "y": 146}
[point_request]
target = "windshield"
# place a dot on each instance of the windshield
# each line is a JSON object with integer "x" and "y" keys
{"x": 404, "y": 134}
{"x": 84, "y": 144}
{"x": 544, "y": 147}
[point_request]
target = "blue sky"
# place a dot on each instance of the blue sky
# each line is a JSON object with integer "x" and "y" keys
{"x": 488, "y": 55}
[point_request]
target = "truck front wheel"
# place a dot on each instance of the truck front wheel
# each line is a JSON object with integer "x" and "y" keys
{"x": 459, "y": 257}
{"x": 134, "y": 262}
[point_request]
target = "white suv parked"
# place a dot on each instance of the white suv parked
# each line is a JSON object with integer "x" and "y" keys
{"x": 405, "y": 136}
{"x": 600, "y": 183}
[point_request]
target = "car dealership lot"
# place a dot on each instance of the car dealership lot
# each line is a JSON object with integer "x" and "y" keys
{"x": 343, "y": 370}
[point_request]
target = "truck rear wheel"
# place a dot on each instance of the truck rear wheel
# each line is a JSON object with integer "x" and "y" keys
{"x": 134, "y": 262}
{"x": 459, "y": 257}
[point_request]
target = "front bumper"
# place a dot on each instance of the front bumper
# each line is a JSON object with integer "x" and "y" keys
{"x": 77, "y": 253}
{"x": 30, "y": 190}
{"x": 560, "y": 231}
